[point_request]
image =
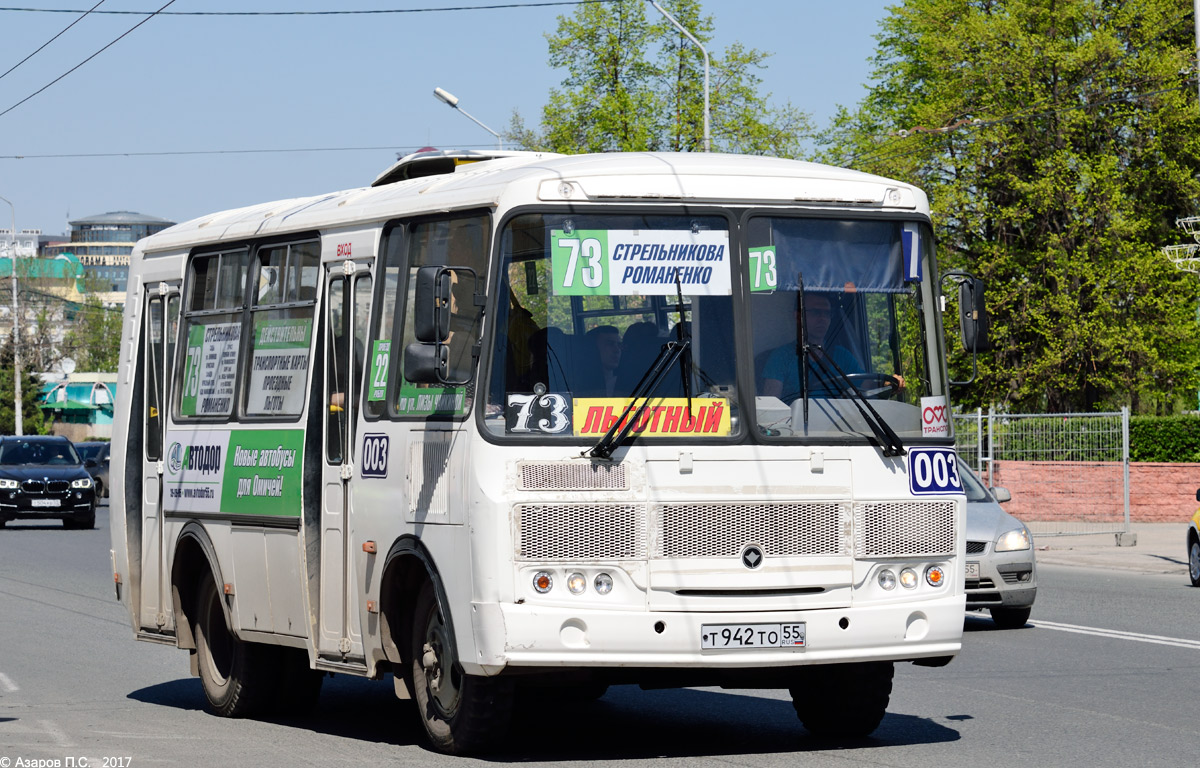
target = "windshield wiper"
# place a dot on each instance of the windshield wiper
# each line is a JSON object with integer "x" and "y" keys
{"x": 890, "y": 441}
{"x": 670, "y": 352}
{"x": 828, "y": 370}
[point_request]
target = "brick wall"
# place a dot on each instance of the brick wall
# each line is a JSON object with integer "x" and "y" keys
{"x": 1092, "y": 491}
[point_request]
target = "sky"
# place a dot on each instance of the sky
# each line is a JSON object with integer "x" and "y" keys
{"x": 202, "y": 84}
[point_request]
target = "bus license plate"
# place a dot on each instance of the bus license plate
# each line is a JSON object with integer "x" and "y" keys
{"x": 972, "y": 570}
{"x": 44, "y": 502}
{"x": 752, "y": 635}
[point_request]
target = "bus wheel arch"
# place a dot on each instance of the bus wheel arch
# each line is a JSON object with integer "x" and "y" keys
{"x": 407, "y": 566}
{"x": 194, "y": 557}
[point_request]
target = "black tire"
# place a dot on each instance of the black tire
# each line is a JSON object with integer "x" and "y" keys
{"x": 298, "y": 688}
{"x": 844, "y": 701}
{"x": 1010, "y": 618}
{"x": 236, "y": 676}
{"x": 99, "y": 489}
{"x": 461, "y": 713}
{"x": 1194, "y": 560}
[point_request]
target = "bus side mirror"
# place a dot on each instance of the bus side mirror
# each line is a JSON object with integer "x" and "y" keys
{"x": 431, "y": 304}
{"x": 973, "y": 321}
{"x": 427, "y": 363}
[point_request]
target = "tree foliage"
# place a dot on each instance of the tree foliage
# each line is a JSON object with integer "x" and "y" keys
{"x": 635, "y": 83}
{"x": 1058, "y": 141}
{"x": 95, "y": 338}
{"x": 31, "y": 390}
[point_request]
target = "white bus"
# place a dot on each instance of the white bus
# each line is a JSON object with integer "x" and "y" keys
{"x": 539, "y": 423}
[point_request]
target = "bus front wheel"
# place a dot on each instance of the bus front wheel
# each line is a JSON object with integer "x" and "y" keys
{"x": 844, "y": 701}
{"x": 233, "y": 674}
{"x": 461, "y": 713}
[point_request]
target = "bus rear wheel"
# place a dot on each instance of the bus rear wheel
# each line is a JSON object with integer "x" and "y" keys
{"x": 461, "y": 713}
{"x": 233, "y": 674}
{"x": 844, "y": 701}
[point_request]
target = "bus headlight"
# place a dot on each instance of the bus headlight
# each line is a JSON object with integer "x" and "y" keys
{"x": 887, "y": 579}
{"x": 1013, "y": 540}
{"x": 908, "y": 578}
{"x": 576, "y": 583}
{"x": 542, "y": 582}
{"x": 604, "y": 583}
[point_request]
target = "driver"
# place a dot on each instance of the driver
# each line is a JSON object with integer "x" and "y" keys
{"x": 781, "y": 373}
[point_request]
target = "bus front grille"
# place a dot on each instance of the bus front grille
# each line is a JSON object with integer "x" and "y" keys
{"x": 581, "y": 531}
{"x": 572, "y": 476}
{"x": 904, "y": 529}
{"x": 724, "y": 530}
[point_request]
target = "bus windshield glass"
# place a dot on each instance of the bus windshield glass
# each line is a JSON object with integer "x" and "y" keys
{"x": 844, "y": 329}
{"x": 587, "y": 304}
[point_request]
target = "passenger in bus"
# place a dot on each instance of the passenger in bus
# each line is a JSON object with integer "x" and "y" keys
{"x": 781, "y": 374}
{"x": 599, "y": 359}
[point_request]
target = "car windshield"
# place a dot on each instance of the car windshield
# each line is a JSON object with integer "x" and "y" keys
{"x": 88, "y": 450}
{"x": 591, "y": 302}
{"x": 15, "y": 452}
{"x": 972, "y": 484}
{"x": 844, "y": 329}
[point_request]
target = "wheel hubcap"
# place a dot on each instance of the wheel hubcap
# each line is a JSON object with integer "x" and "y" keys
{"x": 437, "y": 660}
{"x": 1194, "y": 561}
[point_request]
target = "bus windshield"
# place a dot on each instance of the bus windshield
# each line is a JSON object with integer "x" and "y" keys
{"x": 844, "y": 329}
{"x": 591, "y": 301}
{"x": 588, "y": 302}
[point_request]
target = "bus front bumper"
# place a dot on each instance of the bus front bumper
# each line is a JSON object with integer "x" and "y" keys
{"x": 533, "y": 636}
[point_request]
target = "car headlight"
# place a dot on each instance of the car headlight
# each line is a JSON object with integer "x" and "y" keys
{"x": 83, "y": 482}
{"x": 1013, "y": 540}
{"x": 7, "y": 483}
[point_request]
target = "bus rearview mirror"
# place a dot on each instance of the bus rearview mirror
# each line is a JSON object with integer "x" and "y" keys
{"x": 431, "y": 310}
{"x": 972, "y": 315}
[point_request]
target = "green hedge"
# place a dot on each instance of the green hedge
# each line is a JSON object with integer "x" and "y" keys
{"x": 1164, "y": 438}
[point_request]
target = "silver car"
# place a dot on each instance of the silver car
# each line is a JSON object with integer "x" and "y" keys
{"x": 1001, "y": 573}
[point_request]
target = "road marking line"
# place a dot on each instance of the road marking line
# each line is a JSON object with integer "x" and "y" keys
{"x": 7, "y": 683}
{"x": 1117, "y": 634}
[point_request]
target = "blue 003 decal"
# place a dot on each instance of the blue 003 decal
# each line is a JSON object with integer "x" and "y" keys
{"x": 933, "y": 471}
{"x": 375, "y": 455}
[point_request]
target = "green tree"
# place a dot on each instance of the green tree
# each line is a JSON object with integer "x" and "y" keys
{"x": 31, "y": 390}
{"x": 635, "y": 83}
{"x": 1058, "y": 141}
{"x": 95, "y": 337}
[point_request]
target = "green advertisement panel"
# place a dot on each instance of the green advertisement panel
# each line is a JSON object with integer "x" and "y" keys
{"x": 263, "y": 473}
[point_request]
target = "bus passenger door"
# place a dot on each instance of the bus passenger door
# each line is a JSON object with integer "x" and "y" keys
{"x": 161, "y": 328}
{"x": 347, "y": 307}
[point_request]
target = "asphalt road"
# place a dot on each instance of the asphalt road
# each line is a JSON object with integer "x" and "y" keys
{"x": 1105, "y": 675}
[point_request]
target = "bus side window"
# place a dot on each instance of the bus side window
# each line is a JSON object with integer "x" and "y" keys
{"x": 281, "y": 330}
{"x": 213, "y": 332}
{"x": 461, "y": 241}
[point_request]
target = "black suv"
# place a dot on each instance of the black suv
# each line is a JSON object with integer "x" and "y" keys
{"x": 44, "y": 478}
{"x": 95, "y": 458}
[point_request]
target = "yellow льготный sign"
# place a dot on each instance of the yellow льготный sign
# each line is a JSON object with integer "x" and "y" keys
{"x": 663, "y": 417}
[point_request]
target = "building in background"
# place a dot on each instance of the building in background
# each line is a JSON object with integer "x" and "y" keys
{"x": 103, "y": 244}
{"x": 79, "y": 405}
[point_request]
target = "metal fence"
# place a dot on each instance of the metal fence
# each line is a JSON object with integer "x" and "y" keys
{"x": 1068, "y": 472}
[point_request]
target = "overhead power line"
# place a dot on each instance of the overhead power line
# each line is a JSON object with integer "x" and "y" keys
{"x": 51, "y": 40}
{"x": 185, "y": 152}
{"x": 318, "y": 13}
{"x": 85, "y": 61}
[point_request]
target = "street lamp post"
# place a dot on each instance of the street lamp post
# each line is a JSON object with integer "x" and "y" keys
{"x": 452, "y": 101}
{"x": 704, "y": 51}
{"x": 16, "y": 327}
